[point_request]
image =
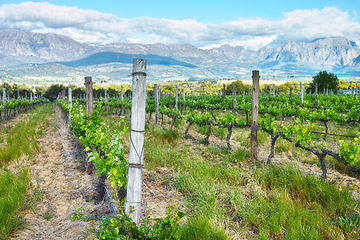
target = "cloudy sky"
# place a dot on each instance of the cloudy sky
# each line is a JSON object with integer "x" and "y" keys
{"x": 206, "y": 24}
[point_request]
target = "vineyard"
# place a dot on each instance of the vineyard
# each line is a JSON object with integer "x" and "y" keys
{"x": 304, "y": 183}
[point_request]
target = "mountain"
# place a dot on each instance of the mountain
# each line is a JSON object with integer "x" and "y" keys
{"x": 36, "y": 47}
{"x": 176, "y": 61}
{"x": 335, "y": 51}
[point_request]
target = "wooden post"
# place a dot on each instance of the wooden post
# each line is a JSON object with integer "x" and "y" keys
{"x": 234, "y": 96}
{"x": 357, "y": 90}
{"x": 223, "y": 92}
{"x": 89, "y": 110}
{"x": 70, "y": 95}
{"x": 4, "y": 95}
{"x": 31, "y": 96}
{"x": 184, "y": 95}
{"x": 301, "y": 93}
{"x": 176, "y": 96}
{"x": 255, "y": 112}
{"x": 89, "y": 96}
{"x": 156, "y": 104}
{"x": 316, "y": 88}
{"x": 137, "y": 135}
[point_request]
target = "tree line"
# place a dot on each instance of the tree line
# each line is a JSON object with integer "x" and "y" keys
{"x": 323, "y": 79}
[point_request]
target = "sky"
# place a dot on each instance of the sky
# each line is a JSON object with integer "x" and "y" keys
{"x": 206, "y": 24}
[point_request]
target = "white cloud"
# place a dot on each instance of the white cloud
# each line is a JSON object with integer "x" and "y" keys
{"x": 96, "y": 27}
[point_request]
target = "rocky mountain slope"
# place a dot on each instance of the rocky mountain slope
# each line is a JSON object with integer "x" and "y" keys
{"x": 37, "y": 47}
{"x": 336, "y": 54}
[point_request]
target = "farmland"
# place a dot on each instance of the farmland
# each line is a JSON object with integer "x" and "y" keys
{"x": 198, "y": 159}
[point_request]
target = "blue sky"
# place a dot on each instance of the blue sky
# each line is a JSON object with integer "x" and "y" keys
{"x": 206, "y": 24}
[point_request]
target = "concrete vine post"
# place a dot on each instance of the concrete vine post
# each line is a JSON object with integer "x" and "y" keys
{"x": 255, "y": 114}
{"x": 70, "y": 95}
{"x": 156, "y": 89}
{"x": 137, "y": 137}
{"x": 4, "y": 95}
{"x": 89, "y": 110}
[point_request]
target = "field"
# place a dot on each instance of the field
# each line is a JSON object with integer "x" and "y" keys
{"x": 198, "y": 169}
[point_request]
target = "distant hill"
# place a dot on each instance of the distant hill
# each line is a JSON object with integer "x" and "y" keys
{"x": 112, "y": 57}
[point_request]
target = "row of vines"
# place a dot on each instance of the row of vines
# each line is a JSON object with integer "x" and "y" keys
{"x": 16, "y": 106}
{"x": 281, "y": 117}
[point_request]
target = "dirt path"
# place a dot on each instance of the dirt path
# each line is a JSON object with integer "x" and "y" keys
{"x": 67, "y": 191}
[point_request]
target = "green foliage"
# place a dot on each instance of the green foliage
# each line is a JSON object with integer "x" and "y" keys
{"x": 122, "y": 227}
{"x": 104, "y": 147}
{"x": 325, "y": 80}
{"x": 80, "y": 215}
{"x": 350, "y": 151}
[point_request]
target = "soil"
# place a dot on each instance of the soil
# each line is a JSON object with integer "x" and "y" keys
{"x": 69, "y": 207}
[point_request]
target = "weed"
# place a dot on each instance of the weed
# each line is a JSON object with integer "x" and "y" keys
{"x": 80, "y": 215}
{"x": 239, "y": 155}
{"x": 219, "y": 132}
{"x": 48, "y": 215}
{"x": 349, "y": 223}
{"x": 282, "y": 146}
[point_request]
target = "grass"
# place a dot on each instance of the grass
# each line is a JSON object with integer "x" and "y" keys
{"x": 13, "y": 188}
{"x": 225, "y": 194}
{"x": 19, "y": 140}
{"x": 22, "y": 138}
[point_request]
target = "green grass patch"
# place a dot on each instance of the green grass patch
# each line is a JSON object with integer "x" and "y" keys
{"x": 219, "y": 132}
{"x": 22, "y": 138}
{"x": 298, "y": 207}
{"x": 200, "y": 227}
{"x": 13, "y": 189}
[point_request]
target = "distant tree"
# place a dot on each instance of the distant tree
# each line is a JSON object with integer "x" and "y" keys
{"x": 240, "y": 87}
{"x": 324, "y": 80}
{"x": 53, "y": 91}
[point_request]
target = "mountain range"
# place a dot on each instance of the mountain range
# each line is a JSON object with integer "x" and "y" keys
{"x": 52, "y": 53}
